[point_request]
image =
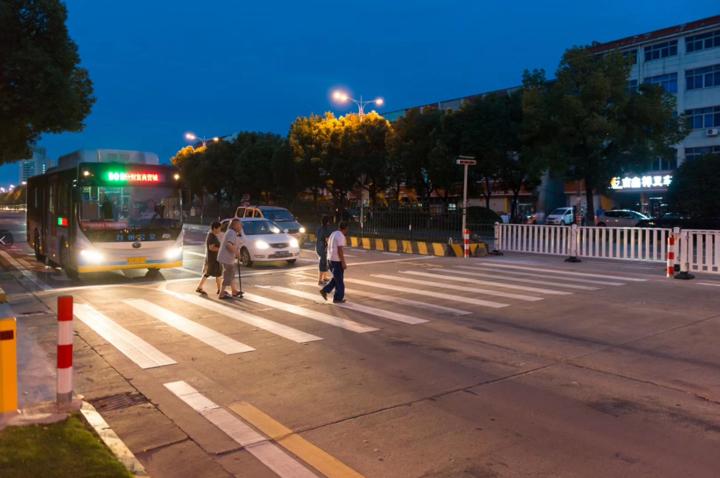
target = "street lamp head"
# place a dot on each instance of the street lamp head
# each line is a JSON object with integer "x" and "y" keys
{"x": 216, "y": 139}
{"x": 190, "y": 136}
{"x": 340, "y": 96}
{"x": 379, "y": 101}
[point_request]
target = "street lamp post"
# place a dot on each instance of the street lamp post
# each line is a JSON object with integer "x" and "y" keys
{"x": 190, "y": 136}
{"x": 465, "y": 161}
{"x": 342, "y": 97}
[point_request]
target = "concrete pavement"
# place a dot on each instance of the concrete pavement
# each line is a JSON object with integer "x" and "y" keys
{"x": 517, "y": 366}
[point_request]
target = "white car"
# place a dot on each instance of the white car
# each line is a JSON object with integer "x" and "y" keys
{"x": 621, "y": 218}
{"x": 264, "y": 241}
{"x": 562, "y": 216}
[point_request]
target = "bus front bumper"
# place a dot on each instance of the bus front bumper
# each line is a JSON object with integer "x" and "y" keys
{"x": 82, "y": 269}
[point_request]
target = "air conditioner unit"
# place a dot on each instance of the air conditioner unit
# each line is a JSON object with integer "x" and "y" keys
{"x": 712, "y": 132}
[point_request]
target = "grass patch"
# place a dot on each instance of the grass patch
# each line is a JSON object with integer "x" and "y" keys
{"x": 65, "y": 449}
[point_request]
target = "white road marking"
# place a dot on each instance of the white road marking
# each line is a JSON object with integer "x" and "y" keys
{"x": 256, "y": 444}
{"x": 483, "y": 267}
{"x": 383, "y": 314}
{"x": 214, "y": 339}
{"x": 185, "y": 269}
{"x": 26, "y": 273}
{"x": 714, "y": 284}
{"x": 132, "y": 346}
{"x": 545, "y": 270}
{"x": 399, "y": 300}
{"x": 250, "y": 319}
{"x": 514, "y": 279}
{"x": 193, "y": 253}
{"x": 346, "y": 324}
{"x": 391, "y": 253}
{"x": 483, "y": 282}
{"x": 429, "y": 293}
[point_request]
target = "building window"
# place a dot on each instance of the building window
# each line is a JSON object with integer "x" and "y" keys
{"x": 664, "y": 164}
{"x": 703, "y": 117}
{"x": 631, "y": 54}
{"x": 668, "y": 82}
{"x": 661, "y": 50}
{"x": 700, "y": 151}
{"x": 702, "y": 41}
{"x": 702, "y": 77}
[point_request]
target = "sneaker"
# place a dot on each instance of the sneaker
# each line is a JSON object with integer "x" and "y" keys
{"x": 323, "y": 294}
{"x": 341, "y": 301}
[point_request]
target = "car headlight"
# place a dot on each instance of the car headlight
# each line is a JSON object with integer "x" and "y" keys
{"x": 262, "y": 245}
{"x": 302, "y": 230}
{"x": 173, "y": 253}
{"x": 294, "y": 242}
{"x": 92, "y": 256}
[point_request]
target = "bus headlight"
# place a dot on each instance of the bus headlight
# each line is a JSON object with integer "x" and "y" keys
{"x": 262, "y": 245}
{"x": 302, "y": 229}
{"x": 294, "y": 242}
{"x": 173, "y": 253}
{"x": 91, "y": 256}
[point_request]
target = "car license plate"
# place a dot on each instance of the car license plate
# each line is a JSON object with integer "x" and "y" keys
{"x": 137, "y": 260}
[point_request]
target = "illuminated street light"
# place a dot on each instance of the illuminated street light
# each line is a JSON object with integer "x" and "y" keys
{"x": 192, "y": 137}
{"x": 342, "y": 97}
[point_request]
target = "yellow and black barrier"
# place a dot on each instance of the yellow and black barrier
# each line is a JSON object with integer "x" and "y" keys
{"x": 423, "y": 248}
{"x": 8, "y": 358}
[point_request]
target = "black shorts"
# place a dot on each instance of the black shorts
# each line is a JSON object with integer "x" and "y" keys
{"x": 212, "y": 269}
{"x": 323, "y": 263}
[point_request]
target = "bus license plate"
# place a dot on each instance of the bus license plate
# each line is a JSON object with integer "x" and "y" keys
{"x": 137, "y": 260}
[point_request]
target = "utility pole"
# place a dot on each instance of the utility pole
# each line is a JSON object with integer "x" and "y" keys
{"x": 465, "y": 161}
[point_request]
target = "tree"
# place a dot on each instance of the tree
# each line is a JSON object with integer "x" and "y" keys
{"x": 307, "y": 145}
{"x": 693, "y": 189}
{"x": 594, "y": 127}
{"x": 42, "y": 88}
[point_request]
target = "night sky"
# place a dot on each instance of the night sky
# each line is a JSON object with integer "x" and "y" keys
{"x": 161, "y": 68}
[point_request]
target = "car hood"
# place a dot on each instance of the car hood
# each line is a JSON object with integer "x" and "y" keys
{"x": 269, "y": 238}
{"x": 290, "y": 225}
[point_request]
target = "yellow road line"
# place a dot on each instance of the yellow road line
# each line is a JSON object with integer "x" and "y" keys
{"x": 325, "y": 463}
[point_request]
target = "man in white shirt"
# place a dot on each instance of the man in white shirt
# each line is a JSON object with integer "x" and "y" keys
{"x": 227, "y": 256}
{"x": 336, "y": 258}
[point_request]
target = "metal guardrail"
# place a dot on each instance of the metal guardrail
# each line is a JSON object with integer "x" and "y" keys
{"x": 700, "y": 251}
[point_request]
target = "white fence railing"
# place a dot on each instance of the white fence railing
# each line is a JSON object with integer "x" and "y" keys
{"x": 627, "y": 243}
{"x": 699, "y": 250}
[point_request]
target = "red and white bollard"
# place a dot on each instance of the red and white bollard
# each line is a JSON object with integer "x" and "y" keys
{"x": 671, "y": 252}
{"x": 65, "y": 350}
{"x": 466, "y": 241}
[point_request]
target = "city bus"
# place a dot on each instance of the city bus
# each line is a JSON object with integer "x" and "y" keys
{"x": 106, "y": 210}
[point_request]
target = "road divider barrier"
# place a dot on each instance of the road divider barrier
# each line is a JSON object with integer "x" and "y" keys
{"x": 690, "y": 250}
{"x": 8, "y": 358}
{"x": 475, "y": 249}
{"x": 65, "y": 350}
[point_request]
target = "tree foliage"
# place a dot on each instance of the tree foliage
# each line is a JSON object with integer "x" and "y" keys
{"x": 693, "y": 190}
{"x": 42, "y": 88}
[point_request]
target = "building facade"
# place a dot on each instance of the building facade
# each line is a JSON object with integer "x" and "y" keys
{"x": 685, "y": 61}
{"x": 38, "y": 164}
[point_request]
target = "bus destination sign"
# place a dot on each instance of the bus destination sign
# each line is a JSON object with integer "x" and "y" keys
{"x": 134, "y": 176}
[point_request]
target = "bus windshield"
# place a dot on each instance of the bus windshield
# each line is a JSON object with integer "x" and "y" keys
{"x": 129, "y": 207}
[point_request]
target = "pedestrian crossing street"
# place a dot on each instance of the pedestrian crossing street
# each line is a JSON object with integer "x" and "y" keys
{"x": 411, "y": 296}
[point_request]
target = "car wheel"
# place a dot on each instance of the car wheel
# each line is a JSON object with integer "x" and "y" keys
{"x": 291, "y": 261}
{"x": 245, "y": 257}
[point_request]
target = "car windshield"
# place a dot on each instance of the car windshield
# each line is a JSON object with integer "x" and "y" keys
{"x": 278, "y": 215}
{"x": 559, "y": 211}
{"x": 129, "y": 207}
{"x": 253, "y": 228}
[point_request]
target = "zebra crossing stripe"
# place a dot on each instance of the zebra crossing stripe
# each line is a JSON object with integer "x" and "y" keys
{"x": 214, "y": 339}
{"x": 428, "y": 293}
{"x": 474, "y": 290}
{"x": 383, "y": 314}
{"x": 245, "y": 317}
{"x": 483, "y": 282}
{"x": 254, "y": 443}
{"x": 129, "y": 344}
{"x": 514, "y": 279}
{"x": 346, "y": 324}
{"x": 560, "y": 271}
{"x": 399, "y": 300}
{"x": 481, "y": 267}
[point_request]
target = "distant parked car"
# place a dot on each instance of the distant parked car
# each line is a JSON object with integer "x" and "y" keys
{"x": 278, "y": 215}
{"x": 683, "y": 221}
{"x": 263, "y": 241}
{"x": 621, "y": 218}
{"x": 562, "y": 216}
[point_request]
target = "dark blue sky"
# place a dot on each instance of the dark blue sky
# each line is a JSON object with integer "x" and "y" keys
{"x": 162, "y": 67}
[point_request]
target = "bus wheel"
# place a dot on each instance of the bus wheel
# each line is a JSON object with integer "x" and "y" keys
{"x": 152, "y": 273}
{"x": 36, "y": 246}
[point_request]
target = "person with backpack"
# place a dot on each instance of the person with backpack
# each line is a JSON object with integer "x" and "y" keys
{"x": 321, "y": 241}
{"x": 212, "y": 267}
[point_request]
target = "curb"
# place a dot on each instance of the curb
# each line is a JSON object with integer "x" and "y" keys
{"x": 111, "y": 440}
{"x": 422, "y": 248}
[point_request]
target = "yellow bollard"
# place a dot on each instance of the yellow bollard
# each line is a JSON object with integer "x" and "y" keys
{"x": 8, "y": 365}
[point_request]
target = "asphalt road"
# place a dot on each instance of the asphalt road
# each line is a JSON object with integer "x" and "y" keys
{"x": 437, "y": 367}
